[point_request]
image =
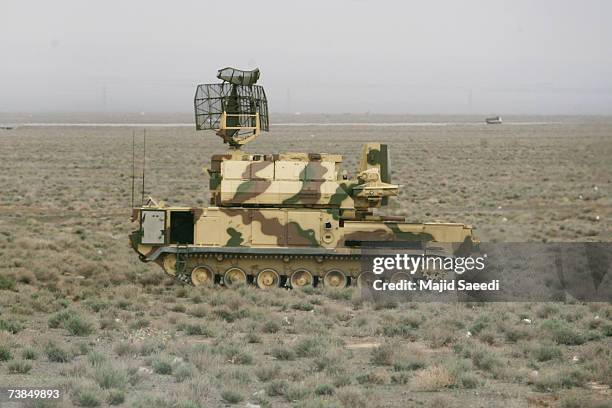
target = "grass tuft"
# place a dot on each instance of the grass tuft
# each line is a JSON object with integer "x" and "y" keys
{"x": 57, "y": 354}
{"x": 19, "y": 367}
{"x": 5, "y": 353}
{"x": 109, "y": 377}
{"x": 231, "y": 396}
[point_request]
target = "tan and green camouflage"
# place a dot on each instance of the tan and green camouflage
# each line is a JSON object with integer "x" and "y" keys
{"x": 292, "y": 219}
{"x": 284, "y": 219}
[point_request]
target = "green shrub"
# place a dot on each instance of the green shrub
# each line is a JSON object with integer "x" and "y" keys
{"x": 307, "y": 347}
{"x": 10, "y": 326}
{"x": 95, "y": 305}
{"x": 514, "y": 334}
{"x": 96, "y": 358}
{"x": 296, "y": 393}
{"x": 231, "y": 396}
{"x": 57, "y": 354}
{"x": 606, "y": 330}
{"x": 72, "y": 322}
{"x": 5, "y": 353}
{"x": 162, "y": 366}
{"x": 405, "y": 327}
{"x": 339, "y": 294}
{"x": 19, "y": 367}
{"x": 29, "y": 354}
{"x": 270, "y": 327}
{"x": 149, "y": 347}
{"x": 197, "y": 330}
{"x": 236, "y": 355}
{"x": 179, "y": 308}
{"x": 109, "y": 377}
{"x": 231, "y": 315}
{"x": 87, "y": 397}
{"x": 546, "y": 352}
{"x": 183, "y": 372}
{"x": 573, "y": 377}
{"x": 267, "y": 373}
{"x": 324, "y": 389}
{"x": 109, "y": 324}
{"x": 562, "y": 333}
{"x": 81, "y": 348}
{"x": 277, "y": 388}
{"x": 140, "y": 324}
{"x": 304, "y": 306}
{"x": 125, "y": 349}
{"x": 7, "y": 282}
{"x": 283, "y": 353}
{"x": 566, "y": 378}
{"x": 409, "y": 363}
{"x": 115, "y": 397}
{"x": 479, "y": 324}
{"x": 252, "y": 337}
{"x": 463, "y": 373}
{"x": 243, "y": 377}
{"x": 546, "y": 310}
{"x": 188, "y": 404}
{"x": 59, "y": 319}
{"x": 485, "y": 359}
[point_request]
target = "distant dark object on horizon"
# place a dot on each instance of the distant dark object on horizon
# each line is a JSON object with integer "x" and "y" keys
{"x": 4, "y": 127}
{"x": 495, "y": 120}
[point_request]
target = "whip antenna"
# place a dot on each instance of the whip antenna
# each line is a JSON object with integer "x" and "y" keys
{"x": 144, "y": 160}
{"x": 133, "y": 164}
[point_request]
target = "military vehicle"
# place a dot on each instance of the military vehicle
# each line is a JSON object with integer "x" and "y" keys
{"x": 279, "y": 219}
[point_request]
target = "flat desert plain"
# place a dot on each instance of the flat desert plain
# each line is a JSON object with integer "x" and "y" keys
{"x": 80, "y": 313}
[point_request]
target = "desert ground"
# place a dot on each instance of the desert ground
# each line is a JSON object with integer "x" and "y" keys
{"x": 80, "y": 312}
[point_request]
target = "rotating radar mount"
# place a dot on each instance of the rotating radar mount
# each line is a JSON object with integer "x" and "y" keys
{"x": 236, "y": 108}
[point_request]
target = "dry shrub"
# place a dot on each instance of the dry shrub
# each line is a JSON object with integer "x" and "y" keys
{"x": 384, "y": 354}
{"x": 433, "y": 378}
{"x": 440, "y": 336}
{"x": 352, "y": 397}
{"x": 378, "y": 377}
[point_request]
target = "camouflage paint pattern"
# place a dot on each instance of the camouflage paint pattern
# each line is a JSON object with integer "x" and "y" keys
{"x": 296, "y": 202}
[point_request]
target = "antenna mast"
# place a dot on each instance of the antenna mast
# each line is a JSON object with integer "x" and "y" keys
{"x": 133, "y": 164}
{"x": 144, "y": 160}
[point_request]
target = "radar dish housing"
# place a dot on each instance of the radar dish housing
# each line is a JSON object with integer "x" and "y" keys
{"x": 236, "y": 108}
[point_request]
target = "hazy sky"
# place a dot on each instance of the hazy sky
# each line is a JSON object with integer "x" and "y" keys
{"x": 528, "y": 56}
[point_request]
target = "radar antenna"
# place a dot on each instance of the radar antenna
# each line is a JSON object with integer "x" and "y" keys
{"x": 236, "y": 108}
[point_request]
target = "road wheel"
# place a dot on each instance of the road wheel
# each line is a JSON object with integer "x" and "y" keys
{"x": 234, "y": 277}
{"x": 335, "y": 279}
{"x": 169, "y": 264}
{"x": 202, "y": 276}
{"x": 301, "y": 279}
{"x": 268, "y": 278}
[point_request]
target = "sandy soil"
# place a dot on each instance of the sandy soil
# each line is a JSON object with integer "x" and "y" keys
{"x": 79, "y": 311}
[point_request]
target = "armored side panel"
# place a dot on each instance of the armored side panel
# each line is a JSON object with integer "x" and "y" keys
{"x": 283, "y": 244}
{"x": 153, "y": 224}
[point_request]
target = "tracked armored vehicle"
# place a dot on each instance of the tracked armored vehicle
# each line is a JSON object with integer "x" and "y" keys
{"x": 279, "y": 219}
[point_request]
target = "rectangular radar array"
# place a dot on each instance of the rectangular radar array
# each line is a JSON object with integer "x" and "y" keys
{"x": 242, "y": 101}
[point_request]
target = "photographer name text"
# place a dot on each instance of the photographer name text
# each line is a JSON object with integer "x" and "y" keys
{"x": 435, "y": 286}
